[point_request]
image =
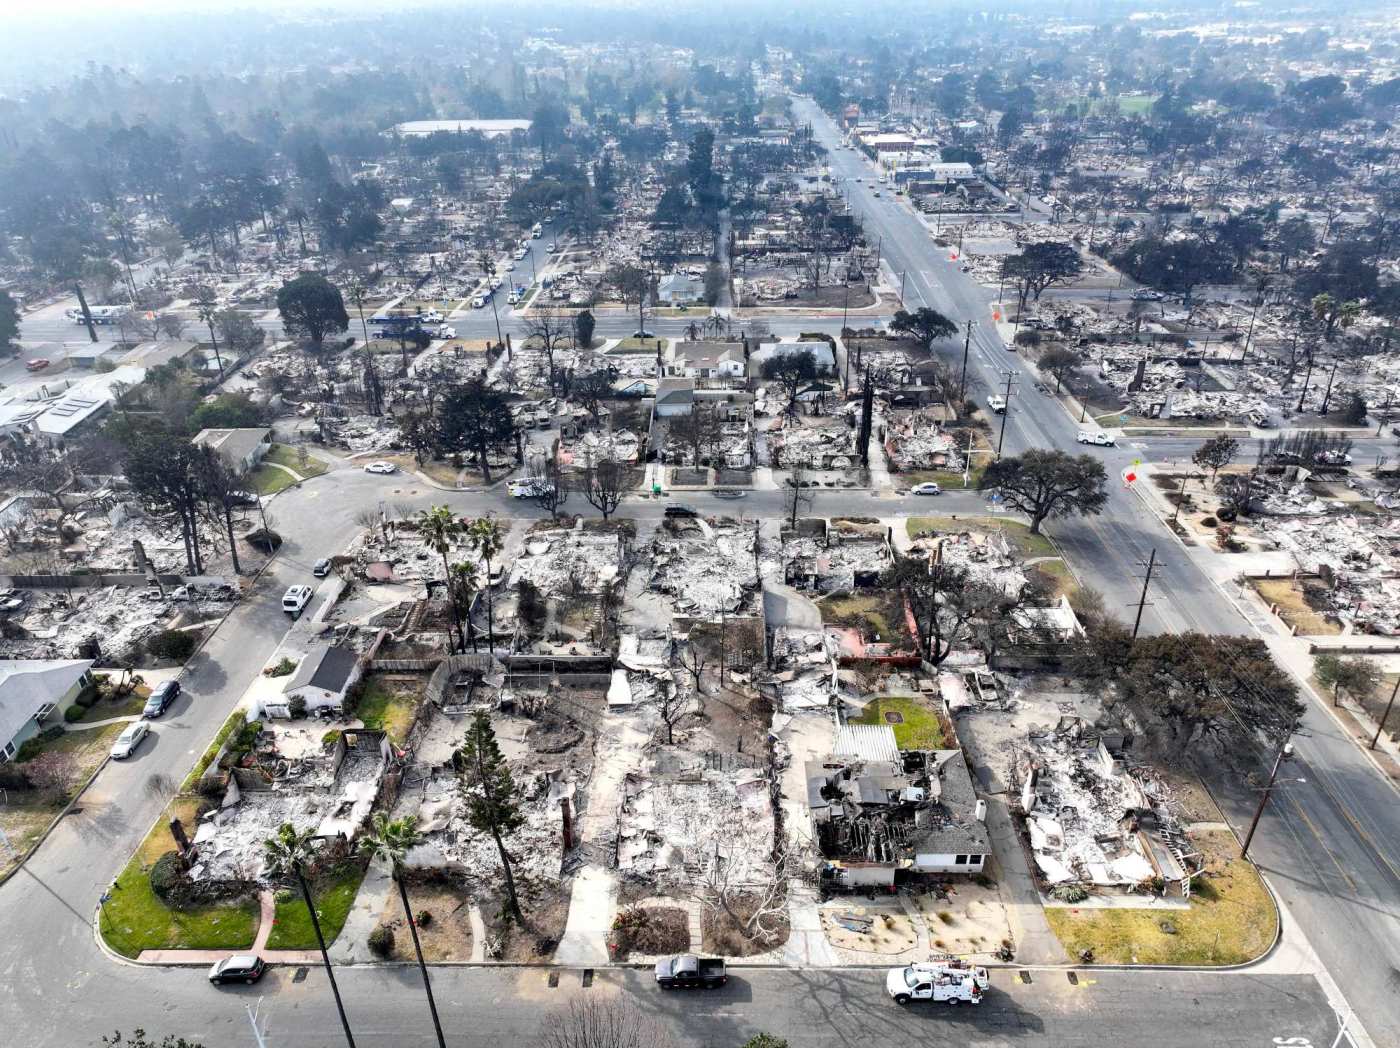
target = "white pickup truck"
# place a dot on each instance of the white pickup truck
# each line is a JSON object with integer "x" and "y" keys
{"x": 954, "y": 983}
{"x": 1095, "y": 436}
{"x": 997, "y": 403}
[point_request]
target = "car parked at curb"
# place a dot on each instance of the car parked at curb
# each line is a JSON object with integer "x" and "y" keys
{"x": 675, "y": 509}
{"x": 296, "y": 599}
{"x": 321, "y": 568}
{"x": 380, "y": 467}
{"x": 927, "y": 488}
{"x": 162, "y": 695}
{"x": 686, "y": 971}
{"x": 241, "y": 967}
{"x": 129, "y": 739}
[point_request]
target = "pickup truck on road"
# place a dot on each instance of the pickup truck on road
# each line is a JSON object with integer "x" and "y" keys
{"x": 686, "y": 970}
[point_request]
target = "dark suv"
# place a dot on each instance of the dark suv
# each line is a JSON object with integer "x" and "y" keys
{"x": 161, "y": 697}
{"x": 675, "y": 509}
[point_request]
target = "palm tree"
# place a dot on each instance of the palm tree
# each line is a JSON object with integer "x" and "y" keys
{"x": 485, "y": 535}
{"x": 207, "y": 307}
{"x": 299, "y": 214}
{"x": 463, "y": 585}
{"x": 439, "y": 527}
{"x": 393, "y": 839}
{"x": 288, "y": 852}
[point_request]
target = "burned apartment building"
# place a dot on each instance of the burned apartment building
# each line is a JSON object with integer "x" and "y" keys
{"x": 880, "y": 815}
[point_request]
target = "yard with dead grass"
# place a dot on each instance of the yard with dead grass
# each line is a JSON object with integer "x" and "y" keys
{"x": 879, "y": 612}
{"x": 1023, "y": 543}
{"x": 1290, "y": 599}
{"x": 1231, "y": 919}
{"x": 445, "y": 934}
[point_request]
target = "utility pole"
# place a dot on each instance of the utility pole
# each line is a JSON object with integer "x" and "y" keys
{"x": 1385, "y": 716}
{"x": 1286, "y": 750}
{"x": 1146, "y": 581}
{"x": 967, "y": 345}
{"x": 1180, "y": 497}
{"x": 1005, "y": 412}
{"x": 845, "y": 306}
{"x": 902, "y": 275}
{"x": 87, "y": 313}
{"x": 1385, "y": 411}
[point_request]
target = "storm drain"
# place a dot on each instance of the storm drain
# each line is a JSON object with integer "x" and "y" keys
{"x": 1073, "y": 979}
{"x": 894, "y": 717}
{"x": 1025, "y": 977}
{"x": 299, "y": 975}
{"x": 587, "y": 977}
{"x": 553, "y": 979}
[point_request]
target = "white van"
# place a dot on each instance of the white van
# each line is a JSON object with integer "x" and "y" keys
{"x": 295, "y": 599}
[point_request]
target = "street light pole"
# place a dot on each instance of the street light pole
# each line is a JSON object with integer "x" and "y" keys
{"x": 1005, "y": 412}
{"x": 1286, "y": 750}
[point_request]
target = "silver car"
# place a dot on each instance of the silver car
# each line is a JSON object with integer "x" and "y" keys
{"x": 129, "y": 739}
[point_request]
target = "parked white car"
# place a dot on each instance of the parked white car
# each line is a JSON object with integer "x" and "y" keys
{"x": 380, "y": 467}
{"x": 479, "y": 302}
{"x": 446, "y": 331}
{"x": 512, "y": 299}
{"x": 1095, "y": 436}
{"x": 296, "y": 598}
{"x": 129, "y": 739}
{"x": 929, "y": 488}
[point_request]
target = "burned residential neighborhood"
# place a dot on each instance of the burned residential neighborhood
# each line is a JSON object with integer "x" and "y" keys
{"x": 509, "y": 513}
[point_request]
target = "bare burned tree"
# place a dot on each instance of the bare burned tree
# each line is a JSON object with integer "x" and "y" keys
{"x": 549, "y": 331}
{"x": 740, "y": 884}
{"x": 596, "y": 1022}
{"x": 799, "y": 495}
{"x": 605, "y": 484}
{"x": 552, "y": 490}
{"x": 674, "y": 704}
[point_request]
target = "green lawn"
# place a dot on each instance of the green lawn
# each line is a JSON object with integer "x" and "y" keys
{"x": 387, "y": 710}
{"x": 921, "y": 729}
{"x": 1057, "y": 576}
{"x": 1135, "y": 105}
{"x": 291, "y": 925}
{"x": 133, "y": 919}
{"x": 130, "y": 706}
{"x": 1231, "y": 920}
{"x": 269, "y": 480}
{"x": 1018, "y": 534}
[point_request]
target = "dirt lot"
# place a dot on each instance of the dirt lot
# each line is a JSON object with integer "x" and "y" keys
{"x": 546, "y": 914}
{"x": 445, "y": 936}
{"x": 884, "y": 932}
{"x": 972, "y": 919}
